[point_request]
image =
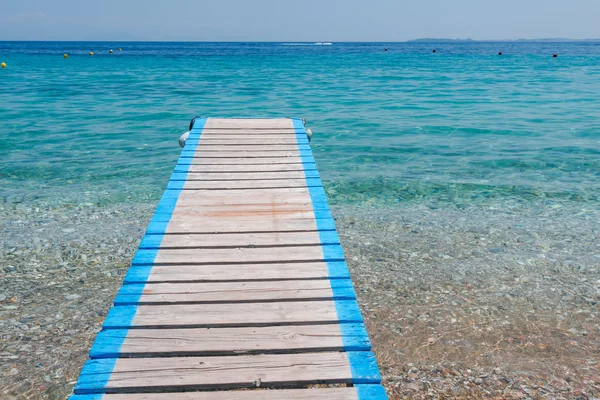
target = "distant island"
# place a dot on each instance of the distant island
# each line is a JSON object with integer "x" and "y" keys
{"x": 469, "y": 40}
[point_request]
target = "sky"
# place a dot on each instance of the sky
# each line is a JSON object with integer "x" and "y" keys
{"x": 292, "y": 20}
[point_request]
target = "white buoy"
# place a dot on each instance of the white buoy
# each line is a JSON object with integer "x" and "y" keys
{"x": 183, "y": 138}
{"x": 309, "y": 134}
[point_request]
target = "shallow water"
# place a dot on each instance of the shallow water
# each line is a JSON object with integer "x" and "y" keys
{"x": 465, "y": 184}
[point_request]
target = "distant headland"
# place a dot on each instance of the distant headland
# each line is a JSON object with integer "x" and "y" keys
{"x": 469, "y": 40}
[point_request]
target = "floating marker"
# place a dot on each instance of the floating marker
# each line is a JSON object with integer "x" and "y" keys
{"x": 120, "y": 49}
{"x": 499, "y": 53}
{"x": 110, "y": 51}
{"x": 434, "y": 50}
{"x": 554, "y": 55}
{"x": 385, "y": 49}
{"x": 91, "y": 53}
{"x": 3, "y": 65}
{"x": 65, "y": 56}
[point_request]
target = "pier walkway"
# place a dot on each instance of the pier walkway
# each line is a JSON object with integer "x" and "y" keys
{"x": 239, "y": 289}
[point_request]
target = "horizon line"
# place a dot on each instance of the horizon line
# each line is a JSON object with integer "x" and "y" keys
{"x": 417, "y": 40}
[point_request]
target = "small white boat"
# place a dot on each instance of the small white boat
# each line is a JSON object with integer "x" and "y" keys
{"x": 323, "y": 44}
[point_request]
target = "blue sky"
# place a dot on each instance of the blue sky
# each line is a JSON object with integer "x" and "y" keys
{"x": 290, "y": 20}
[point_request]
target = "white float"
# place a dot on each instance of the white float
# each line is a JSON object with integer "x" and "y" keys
{"x": 183, "y": 138}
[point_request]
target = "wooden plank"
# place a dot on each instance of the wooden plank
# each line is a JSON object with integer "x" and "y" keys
{"x": 238, "y": 255}
{"x": 229, "y": 341}
{"x": 348, "y": 393}
{"x": 188, "y": 373}
{"x": 233, "y": 315}
{"x": 218, "y": 148}
{"x": 236, "y": 272}
{"x": 247, "y": 154}
{"x": 271, "y": 138}
{"x": 248, "y": 123}
{"x": 239, "y": 160}
{"x": 238, "y": 226}
{"x": 258, "y": 196}
{"x": 208, "y": 168}
{"x": 238, "y": 240}
{"x": 243, "y": 176}
{"x": 238, "y": 206}
{"x": 234, "y": 292}
{"x": 256, "y": 134}
{"x": 249, "y": 184}
{"x": 357, "y": 392}
{"x": 201, "y": 215}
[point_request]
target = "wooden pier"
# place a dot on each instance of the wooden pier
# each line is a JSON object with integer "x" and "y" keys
{"x": 239, "y": 289}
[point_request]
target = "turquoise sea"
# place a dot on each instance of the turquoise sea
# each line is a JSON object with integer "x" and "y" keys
{"x": 461, "y": 125}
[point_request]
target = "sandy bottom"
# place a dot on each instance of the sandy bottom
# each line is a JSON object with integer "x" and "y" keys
{"x": 483, "y": 302}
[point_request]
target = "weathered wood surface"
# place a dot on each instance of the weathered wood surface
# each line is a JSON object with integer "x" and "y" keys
{"x": 230, "y": 315}
{"x": 268, "y": 239}
{"x": 239, "y": 160}
{"x": 244, "y": 176}
{"x": 186, "y": 373}
{"x": 234, "y": 292}
{"x": 217, "y": 149}
{"x": 248, "y": 123}
{"x": 245, "y": 184}
{"x": 289, "y": 394}
{"x": 246, "y": 255}
{"x": 248, "y": 154}
{"x": 230, "y": 341}
{"x": 256, "y": 196}
{"x": 214, "y": 226}
{"x": 205, "y": 168}
{"x": 237, "y": 140}
{"x": 273, "y": 214}
{"x": 239, "y": 282}
{"x": 236, "y": 272}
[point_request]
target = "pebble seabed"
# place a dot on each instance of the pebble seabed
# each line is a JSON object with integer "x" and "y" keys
{"x": 488, "y": 301}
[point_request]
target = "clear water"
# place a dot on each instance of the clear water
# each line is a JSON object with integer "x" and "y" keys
{"x": 463, "y": 125}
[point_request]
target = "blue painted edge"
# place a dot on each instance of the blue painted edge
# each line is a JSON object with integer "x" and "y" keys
{"x": 364, "y": 367}
{"x": 86, "y": 397}
{"x": 94, "y": 376}
{"x": 370, "y": 392}
{"x": 108, "y": 343}
{"x": 124, "y": 318}
{"x": 363, "y": 363}
{"x": 119, "y": 317}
